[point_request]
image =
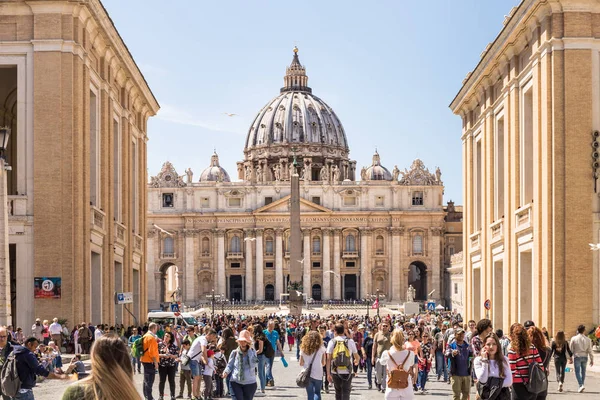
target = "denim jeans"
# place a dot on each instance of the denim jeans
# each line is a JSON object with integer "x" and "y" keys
{"x": 560, "y": 364}
{"x": 342, "y": 384}
{"x": 28, "y": 395}
{"x": 298, "y": 350}
{"x": 440, "y": 365}
{"x": 229, "y": 387}
{"x": 149, "y": 376}
{"x": 422, "y": 379}
{"x": 269, "y": 375}
{"x": 136, "y": 361}
{"x": 261, "y": 370}
{"x": 369, "y": 368}
{"x": 245, "y": 392}
{"x": 580, "y": 366}
{"x": 313, "y": 390}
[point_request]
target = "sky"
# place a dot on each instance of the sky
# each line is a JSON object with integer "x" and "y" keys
{"x": 389, "y": 69}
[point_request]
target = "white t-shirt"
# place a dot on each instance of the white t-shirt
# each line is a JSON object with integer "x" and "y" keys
{"x": 398, "y": 357}
{"x": 351, "y": 347}
{"x": 55, "y": 328}
{"x": 195, "y": 351}
{"x": 317, "y": 368}
{"x": 209, "y": 369}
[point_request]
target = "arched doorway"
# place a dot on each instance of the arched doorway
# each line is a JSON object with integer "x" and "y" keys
{"x": 316, "y": 292}
{"x": 417, "y": 277}
{"x": 270, "y": 293}
{"x": 169, "y": 283}
{"x": 350, "y": 287}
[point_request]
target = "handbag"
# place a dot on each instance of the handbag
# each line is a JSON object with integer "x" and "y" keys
{"x": 185, "y": 359}
{"x": 303, "y": 378}
{"x": 492, "y": 389}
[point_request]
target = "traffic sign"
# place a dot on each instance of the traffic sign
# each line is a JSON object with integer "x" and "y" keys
{"x": 124, "y": 298}
{"x": 174, "y": 307}
{"x": 488, "y": 304}
{"x": 431, "y": 306}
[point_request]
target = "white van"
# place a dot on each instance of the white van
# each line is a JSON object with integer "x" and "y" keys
{"x": 167, "y": 317}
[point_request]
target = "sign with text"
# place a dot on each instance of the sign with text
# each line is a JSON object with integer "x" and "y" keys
{"x": 125, "y": 298}
{"x": 47, "y": 287}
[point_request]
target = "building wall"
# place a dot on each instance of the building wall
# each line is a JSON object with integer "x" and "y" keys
{"x": 64, "y": 51}
{"x": 531, "y": 203}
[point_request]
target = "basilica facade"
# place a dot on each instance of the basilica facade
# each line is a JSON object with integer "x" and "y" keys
{"x": 365, "y": 231}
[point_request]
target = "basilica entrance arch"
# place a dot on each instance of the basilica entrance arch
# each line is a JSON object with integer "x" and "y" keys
{"x": 316, "y": 292}
{"x": 417, "y": 277}
{"x": 270, "y": 293}
{"x": 169, "y": 283}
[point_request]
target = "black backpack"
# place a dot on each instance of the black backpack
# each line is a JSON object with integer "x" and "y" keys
{"x": 10, "y": 382}
{"x": 268, "y": 350}
{"x": 538, "y": 380}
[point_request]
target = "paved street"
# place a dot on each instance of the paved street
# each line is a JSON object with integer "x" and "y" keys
{"x": 286, "y": 386}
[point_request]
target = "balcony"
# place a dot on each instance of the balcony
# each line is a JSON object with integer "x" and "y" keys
{"x": 137, "y": 243}
{"x": 235, "y": 255}
{"x": 475, "y": 240}
{"x": 168, "y": 256}
{"x": 316, "y": 254}
{"x": 120, "y": 232}
{"x": 523, "y": 218}
{"x": 269, "y": 254}
{"x": 97, "y": 220}
{"x": 497, "y": 230}
{"x": 379, "y": 253}
{"x": 17, "y": 206}
{"x": 286, "y": 254}
{"x": 205, "y": 253}
{"x": 349, "y": 254}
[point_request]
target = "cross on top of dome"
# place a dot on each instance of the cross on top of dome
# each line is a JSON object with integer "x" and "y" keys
{"x": 295, "y": 78}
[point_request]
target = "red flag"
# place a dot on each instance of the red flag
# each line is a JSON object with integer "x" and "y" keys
{"x": 375, "y": 304}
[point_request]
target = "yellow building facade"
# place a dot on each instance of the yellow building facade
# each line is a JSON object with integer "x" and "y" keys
{"x": 529, "y": 111}
{"x": 77, "y": 106}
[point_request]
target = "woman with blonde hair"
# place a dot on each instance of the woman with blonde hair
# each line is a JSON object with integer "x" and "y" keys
{"x": 312, "y": 355}
{"x": 112, "y": 374}
{"x": 396, "y": 357}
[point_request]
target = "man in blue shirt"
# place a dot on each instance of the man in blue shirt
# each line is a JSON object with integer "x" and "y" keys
{"x": 273, "y": 337}
{"x": 460, "y": 353}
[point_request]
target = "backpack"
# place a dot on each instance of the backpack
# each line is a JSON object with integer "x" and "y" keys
{"x": 538, "y": 380}
{"x": 220, "y": 365}
{"x": 10, "y": 383}
{"x": 398, "y": 377}
{"x": 137, "y": 348}
{"x": 342, "y": 360}
{"x": 268, "y": 350}
{"x": 597, "y": 332}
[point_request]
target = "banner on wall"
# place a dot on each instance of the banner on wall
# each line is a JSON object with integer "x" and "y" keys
{"x": 47, "y": 287}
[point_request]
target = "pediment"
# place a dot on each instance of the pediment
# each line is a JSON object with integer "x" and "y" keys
{"x": 282, "y": 206}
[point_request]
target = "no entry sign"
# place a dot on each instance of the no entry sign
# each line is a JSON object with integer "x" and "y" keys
{"x": 487, "y": 304}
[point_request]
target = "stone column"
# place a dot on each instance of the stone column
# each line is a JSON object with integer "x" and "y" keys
{"x": 306, "y": 282}
{"x": 221, "y": 281}
{"x": 260, "y": 286}
{"x": 158, "y": 283}
{"x": 396, "y": 267}
{"x": 188, "y": 286}
{"x": 434, "y": 248}
{"x": 249, "y": 295}
{"x": 364, "y": 260}
{"x": 278, "y": 263}
{"x": 337, "y": 277}
{"x": 5, "y": 309}
{"x": 151, "y": 268}
{"x": 326, "y": 292}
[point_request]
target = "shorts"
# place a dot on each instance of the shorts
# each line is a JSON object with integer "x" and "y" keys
{"x": 195, "y": 368}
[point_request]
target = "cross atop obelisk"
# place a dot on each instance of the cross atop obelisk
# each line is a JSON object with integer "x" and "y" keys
{"x": 296, "y": 287}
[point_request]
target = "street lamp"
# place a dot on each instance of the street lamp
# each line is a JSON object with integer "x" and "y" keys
{"x": 5, "y": 311}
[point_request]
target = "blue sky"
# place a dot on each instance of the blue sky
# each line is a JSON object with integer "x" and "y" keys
{"x": 388, "y": 68}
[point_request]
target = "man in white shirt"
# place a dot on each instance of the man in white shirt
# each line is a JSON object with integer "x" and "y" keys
{"x": 56, "y": 332}
{"x": 581, "y": 346}
{"x": 341, "y": 376}
{"x": 198, "y": 354}
{"x": 99, "y": 331}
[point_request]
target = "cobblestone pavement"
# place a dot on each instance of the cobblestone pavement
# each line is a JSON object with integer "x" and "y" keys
{"x": 285, "y": 386}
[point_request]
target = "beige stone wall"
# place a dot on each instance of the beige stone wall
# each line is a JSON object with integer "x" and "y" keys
{"x": 555, "y": 52}
{"x": 71, "y": 48}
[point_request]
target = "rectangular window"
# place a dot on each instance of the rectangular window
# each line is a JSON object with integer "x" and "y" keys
{"x": 499, "y": 170}
{"x": 456, "y": 288}
{"x": 379, "y": 201}
{"x": 117, "y": 170}
{"x": 167, "y": 199}
{"x": 205, "y": 202}
{"x": 316, "y": 265}
{"x": 350, "y": 264}
{"x": 268, "y": 265}
{"x": 417, "y": 198}
{"x": 134, "y": 187}
{"x": 526, "y": 148}
{"x": 235, "y": 202}
{"x": 478, "y": 185}
{"x": 316, "y": 200}
{"x": 349, "y": 201}
{"x": 94, "y": 151}
{"x": 268, "y": 200}
{"x": 235, "y": 265}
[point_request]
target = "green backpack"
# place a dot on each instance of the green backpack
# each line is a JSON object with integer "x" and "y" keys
{"x": 137, "y": 348}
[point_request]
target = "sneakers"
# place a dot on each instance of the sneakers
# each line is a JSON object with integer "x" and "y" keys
{"x": 262, "y": 391}
{"x": 560, "y": 385}
{"x": 180, "y": 396}
{"x": 581, "y": 389}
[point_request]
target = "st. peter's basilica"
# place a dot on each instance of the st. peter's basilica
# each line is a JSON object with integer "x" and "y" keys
{"x": 364, "y": 231}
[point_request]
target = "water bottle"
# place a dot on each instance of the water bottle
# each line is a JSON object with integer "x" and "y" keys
{"x": 284, "y": 361}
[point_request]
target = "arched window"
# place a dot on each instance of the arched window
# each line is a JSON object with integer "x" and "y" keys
{"x": 269, "y": 293}
{"x": 269, "y": 245}
{"x": 418, "y": 244}
{"x": 316, "y": 245}
{"x": 205, "y": 246}
{"x": 379, "y": 244}
{"x": 168, "y": 246}
{"x": 451, "y": 250}
{"x": 350, "y": 243}
{"x": 316, "y": 292}
{"x": 235, "y": 244}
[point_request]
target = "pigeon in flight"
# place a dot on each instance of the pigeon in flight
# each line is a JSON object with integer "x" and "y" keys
{"x": 162, "y": 230}
{"x": 230, "y": 114}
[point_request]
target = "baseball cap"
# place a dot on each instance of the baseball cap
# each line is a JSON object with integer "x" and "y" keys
{"x": 528, "y": 324}
{"x": 210, "y": 353}
{"x": 459, "y": 331}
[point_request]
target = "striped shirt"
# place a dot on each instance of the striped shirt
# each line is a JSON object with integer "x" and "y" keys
{"x": 519, "y": 364}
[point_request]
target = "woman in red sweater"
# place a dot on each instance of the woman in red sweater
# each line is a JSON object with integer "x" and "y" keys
{"x": 521, "y": 353}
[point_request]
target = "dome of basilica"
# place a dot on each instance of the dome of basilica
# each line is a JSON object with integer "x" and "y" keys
{"x": 376, "y": 172}
{"x": 214, "y": 172}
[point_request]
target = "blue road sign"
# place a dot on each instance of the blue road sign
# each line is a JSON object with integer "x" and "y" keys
{"x": 431, "y": 306}
{"x": 174, "y": 307}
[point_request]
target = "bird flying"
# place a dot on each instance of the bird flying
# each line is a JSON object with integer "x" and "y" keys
{"x": 595, "y": 247}
{"x": 162, "y": 230}
{"x": 230, "y": 114}
{"x": 249, "y": 238}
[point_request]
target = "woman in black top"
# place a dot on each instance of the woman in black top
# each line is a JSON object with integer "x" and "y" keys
{"x": 560, "y": 348}
{"x": 168, "y": 353}
{"x": 367, "y": 350}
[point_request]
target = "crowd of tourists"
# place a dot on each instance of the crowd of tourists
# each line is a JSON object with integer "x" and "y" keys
{"x": 233, "y": 356}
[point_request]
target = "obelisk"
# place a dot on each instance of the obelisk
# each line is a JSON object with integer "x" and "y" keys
{"x": 296, "y": 287}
